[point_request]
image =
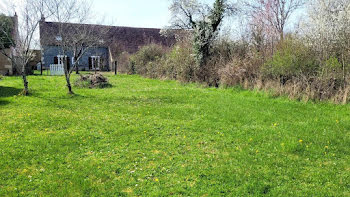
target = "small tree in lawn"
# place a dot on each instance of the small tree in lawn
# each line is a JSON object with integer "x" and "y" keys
{"x": 76, "y": 38}
{"x": 204, "y": 22}
{"x": 17, "y": 38}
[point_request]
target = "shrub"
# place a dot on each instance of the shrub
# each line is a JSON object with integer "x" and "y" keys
{"x": 124, "y": 62}
{"x": 292, "y": 59}
{"x": 147, "y": 54}
{"x": 332, "y": 68}
{"x": 180, "y": 64}
{"x": 241, "y": 71}
{"x": 153, "y": 61}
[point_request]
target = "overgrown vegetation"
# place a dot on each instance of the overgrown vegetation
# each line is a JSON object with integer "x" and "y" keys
{"x": 313, "y": 64}
{"x": 146, "y": 137}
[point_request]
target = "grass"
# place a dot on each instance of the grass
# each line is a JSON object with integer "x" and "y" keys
{"x": 145, "y": 137}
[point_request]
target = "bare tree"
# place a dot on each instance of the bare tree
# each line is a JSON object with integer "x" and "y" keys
{"x": 72, "y": 35}
{"x": 273, "y": 13}
{"x": 204, "y": 22}
{"x": 21, "y": 38}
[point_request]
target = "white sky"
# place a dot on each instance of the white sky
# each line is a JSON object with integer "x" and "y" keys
{"x": 135, "y": 13}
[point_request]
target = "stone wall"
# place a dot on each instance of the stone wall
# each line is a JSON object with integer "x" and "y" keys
{"x": 5, "y": 64}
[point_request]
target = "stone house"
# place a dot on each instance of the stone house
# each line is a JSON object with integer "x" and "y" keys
{"x": 112, "y": 41}
{"x": 6, "y": 67}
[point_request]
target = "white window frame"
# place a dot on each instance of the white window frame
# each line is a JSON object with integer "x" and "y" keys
{"x": 98, "y": 59}
{"x": 60, "y": 59}
{"x": 59, "y": 38}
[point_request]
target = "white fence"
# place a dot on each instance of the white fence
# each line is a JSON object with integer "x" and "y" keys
{"x": 56, "y": 69}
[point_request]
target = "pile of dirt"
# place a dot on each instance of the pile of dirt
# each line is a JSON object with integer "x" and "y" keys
{"x": 92, "y": 81}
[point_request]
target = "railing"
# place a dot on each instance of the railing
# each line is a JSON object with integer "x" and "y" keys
{"x": 56, "y": 69}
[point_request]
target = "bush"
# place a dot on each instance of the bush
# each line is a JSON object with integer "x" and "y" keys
{"x": 155, "y": 62}
{"x": 92, "y": 81}
{"x": 143, "y": 57}
{"x": 223, "y": 53}
{"x": 124, "y": 62}
{"x": 241, "y": 71}
{"x": 292, "y": 59}
{"x": 179, "y": 64}
{"x": 332, "y": 68}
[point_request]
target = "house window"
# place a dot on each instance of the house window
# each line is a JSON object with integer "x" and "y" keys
{"x": 94, "y": 62}
{"x": 61, "y": 59}
{"x": 59, "y": 38}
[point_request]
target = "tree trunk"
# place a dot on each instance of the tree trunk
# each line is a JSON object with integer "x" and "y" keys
{"x": 77, "y": 69}
{"x": 67, "y": 75}
{"x": 25, "y": 84}
{"x": 25, "y": 91}
{"x": 69, "y": 86}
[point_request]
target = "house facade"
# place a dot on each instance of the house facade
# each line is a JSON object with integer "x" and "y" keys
{"x": 6, "y": 67}
{"x": 112, "y": 41}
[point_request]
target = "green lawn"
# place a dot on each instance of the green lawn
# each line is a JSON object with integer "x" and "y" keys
{"x": 145, "y": 137}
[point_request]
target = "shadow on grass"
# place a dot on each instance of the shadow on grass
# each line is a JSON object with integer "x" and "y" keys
{"x": 60, "y": 101}
{"x": 9, "y": 91}
{"x": 2, "y": 102}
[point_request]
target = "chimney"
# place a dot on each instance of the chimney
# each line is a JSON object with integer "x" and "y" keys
{"x": 15, "y": 27}
{"x": 42, "y": 18}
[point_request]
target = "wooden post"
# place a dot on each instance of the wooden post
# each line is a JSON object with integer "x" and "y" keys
{"x": 41, "y": 68}
{"x": 115, "y": 67}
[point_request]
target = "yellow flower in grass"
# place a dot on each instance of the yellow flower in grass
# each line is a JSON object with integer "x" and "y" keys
{"x": 156, "y": 180}
{"x": 300, "y": 141}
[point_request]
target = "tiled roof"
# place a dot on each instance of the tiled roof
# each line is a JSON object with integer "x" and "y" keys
{"x": 127, "y": 39}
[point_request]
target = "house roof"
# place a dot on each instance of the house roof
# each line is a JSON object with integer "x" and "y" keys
{"x": 128, "y": 39}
